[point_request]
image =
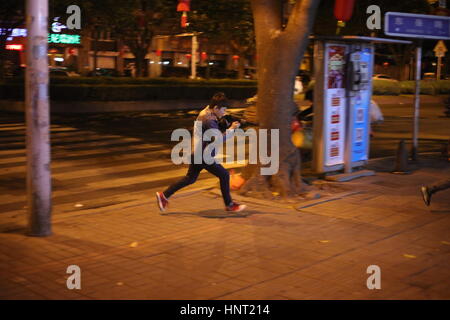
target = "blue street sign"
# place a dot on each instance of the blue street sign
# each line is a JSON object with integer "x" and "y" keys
{"x": 417, "y": 25}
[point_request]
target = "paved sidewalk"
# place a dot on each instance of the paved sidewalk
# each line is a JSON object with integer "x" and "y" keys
{"x": 311, "y": 249}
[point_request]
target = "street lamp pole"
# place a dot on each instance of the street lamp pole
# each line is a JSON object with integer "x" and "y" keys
{"x": 38, "y": 120}
{"x": 194, "y": 48}
{"x": 194, "y": 56}
{"x": 417, "y": 101}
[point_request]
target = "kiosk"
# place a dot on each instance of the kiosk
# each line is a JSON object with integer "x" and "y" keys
{"x": 343, "y": 69}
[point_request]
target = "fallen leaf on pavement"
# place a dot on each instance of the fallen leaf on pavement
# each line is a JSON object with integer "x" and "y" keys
{"x": 19, "y": 279}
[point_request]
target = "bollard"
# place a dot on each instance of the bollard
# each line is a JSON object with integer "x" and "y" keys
{"x": 401, "y": 161}
{"x": 445, "y": 151}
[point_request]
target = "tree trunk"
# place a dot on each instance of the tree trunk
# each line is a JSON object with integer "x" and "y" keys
{"x": 96, "y": 37}
{"x": 2, "y": 58}
{"x": 279, "y": 54}
{"x": 140, "y": 62}
{"x": 208, "y": 69}
{"x": 241, "y": 66}
{"x": 3, "y": 53}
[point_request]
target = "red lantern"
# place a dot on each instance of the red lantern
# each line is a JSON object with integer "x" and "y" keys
{"x": 235, "y": 57}
{"x": 184, "y": 20}
{"x": 158, "y": 53}
{"x": 184, "y": 5}
{"x": 203, "y": 56}
{"x": 188, "y": 55}
{"x": 343, "y": 9}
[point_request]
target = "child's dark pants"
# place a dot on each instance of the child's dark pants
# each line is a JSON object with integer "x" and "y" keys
{"x": 192, "y": 175}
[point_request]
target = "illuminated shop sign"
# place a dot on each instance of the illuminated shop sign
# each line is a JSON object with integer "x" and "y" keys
{"x": 64, "y": 38}
{"x": 18, "y": 47}
{"x": 52, "y": 37}
{"x": 57, "y": 26}
{"x": 17, "y": 32}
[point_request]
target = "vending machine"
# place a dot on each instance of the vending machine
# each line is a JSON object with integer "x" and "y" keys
{"x": 342, "y": 95}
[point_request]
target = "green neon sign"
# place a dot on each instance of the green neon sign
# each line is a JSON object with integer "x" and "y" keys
{"x": 64, "y": 38}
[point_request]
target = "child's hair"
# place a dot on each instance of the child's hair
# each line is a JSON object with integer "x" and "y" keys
{"x": 219, "y": 100}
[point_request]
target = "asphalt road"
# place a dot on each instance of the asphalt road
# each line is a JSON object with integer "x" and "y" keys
{"x": 434, "y": 129}
{"x": 156, "y": 127}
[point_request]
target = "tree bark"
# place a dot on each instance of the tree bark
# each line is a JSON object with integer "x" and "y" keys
{"x": 241, "y": 66}
{"x": 279, "y": 54}
{"x": 140, "y": 61}
{"x": 2, "y": 56}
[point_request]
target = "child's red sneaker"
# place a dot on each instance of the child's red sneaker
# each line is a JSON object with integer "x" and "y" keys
{"x": 162, "y": 201}
{"x": 236, "y": 207}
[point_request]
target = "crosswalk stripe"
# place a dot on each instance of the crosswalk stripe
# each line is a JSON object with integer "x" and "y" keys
{"x": 61, "y": 153}
{"x": 84, "y": 194}
{"x": 155, "y": 176}
{"x": 87, "y": 165}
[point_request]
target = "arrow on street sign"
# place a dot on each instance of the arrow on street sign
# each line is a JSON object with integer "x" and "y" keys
{"x": 440, "y": 49}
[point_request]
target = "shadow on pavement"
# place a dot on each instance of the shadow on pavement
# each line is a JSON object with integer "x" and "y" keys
{"x": 217, "y": 213}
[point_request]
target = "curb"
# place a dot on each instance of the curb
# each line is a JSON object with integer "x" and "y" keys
{"x": 116, "y": 106}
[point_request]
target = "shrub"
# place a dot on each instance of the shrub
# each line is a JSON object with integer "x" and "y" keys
{"x": 383, "y": 87}
{"x": 131, "y": 92}
{"x": 149, "y": 81}
{"x": 442, "y": 86}
{"x": 426, "y": 87}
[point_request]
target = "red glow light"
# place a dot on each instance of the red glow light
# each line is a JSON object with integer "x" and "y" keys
{"x": 14, "y": 47}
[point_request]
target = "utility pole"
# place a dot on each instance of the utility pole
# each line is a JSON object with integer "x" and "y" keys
{"x": 194, "y": 49}
{"x": 415, "y": 139}
{"x": 438, "y": 73}
{"x": 194, "y": 56}
{"x": 439, "y": 51}
{"x": 38, "y": 120}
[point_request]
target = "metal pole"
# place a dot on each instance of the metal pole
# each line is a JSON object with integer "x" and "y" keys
{"x": 194, "y": 57}
{"x": 417, "y": 101}
{"x": 438, "y": 73}
{"x": 348, "y": 133}
{"x": 349, "y": 109}
{"x": 37, "y": 120}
